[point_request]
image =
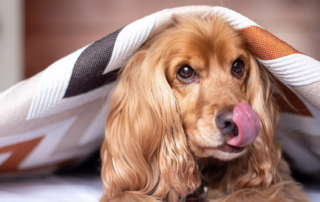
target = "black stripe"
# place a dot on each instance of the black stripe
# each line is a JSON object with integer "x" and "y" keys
{"x": 87, "y": 73}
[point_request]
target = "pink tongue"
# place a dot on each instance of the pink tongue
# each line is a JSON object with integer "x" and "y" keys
{"x": 248, "y": 124}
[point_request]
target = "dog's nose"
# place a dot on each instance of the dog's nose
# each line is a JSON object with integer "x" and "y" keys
{"x": 225, "y": 123}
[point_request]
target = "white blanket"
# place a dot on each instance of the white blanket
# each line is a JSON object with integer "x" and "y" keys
{"x": 71, "y": 189}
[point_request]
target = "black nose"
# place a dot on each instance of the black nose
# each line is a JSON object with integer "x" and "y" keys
{"x": 225, "y": 123}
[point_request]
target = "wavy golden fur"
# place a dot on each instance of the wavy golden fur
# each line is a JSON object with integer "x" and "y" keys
{"x": 160, "y": 140}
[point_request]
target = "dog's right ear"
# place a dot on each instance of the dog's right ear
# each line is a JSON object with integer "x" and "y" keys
{"x": 145, "y": 153}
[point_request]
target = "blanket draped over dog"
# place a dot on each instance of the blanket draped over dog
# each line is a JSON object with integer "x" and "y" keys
{"x": 57, "y": 117}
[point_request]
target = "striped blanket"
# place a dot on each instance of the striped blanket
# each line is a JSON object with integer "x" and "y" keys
{"x": 57, "y": 117}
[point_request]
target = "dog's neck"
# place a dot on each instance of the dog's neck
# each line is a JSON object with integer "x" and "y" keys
{"x": 213, "y": 171}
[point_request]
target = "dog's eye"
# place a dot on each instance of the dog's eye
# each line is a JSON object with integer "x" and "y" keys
{"x": 185, "y": 72}
{"x": 237, "y": 68}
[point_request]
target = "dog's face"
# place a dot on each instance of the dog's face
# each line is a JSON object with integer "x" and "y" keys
{"x": 186, "y": 93}
{"x": 207, "y": 69}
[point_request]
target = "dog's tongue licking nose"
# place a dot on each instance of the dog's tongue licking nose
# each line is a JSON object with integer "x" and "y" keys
{"x": 248, "y": 124}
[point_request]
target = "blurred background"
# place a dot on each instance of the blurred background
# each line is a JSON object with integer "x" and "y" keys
{"x": 35, "y": 33}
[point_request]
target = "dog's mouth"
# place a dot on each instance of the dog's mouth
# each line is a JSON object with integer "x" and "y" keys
{"x": 230, "y": 149}
{"x": 240, "y": 128}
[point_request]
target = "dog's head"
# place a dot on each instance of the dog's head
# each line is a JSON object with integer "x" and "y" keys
{"x": 194, "y": 90}
{"x": 208, "y": 67}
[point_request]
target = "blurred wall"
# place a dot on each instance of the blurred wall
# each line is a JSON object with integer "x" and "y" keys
{"x": 11, "y": 42}
{"x": 55, "y": 28}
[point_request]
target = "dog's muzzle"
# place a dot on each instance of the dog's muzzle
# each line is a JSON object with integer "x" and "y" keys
{"x": 241, "y": 125}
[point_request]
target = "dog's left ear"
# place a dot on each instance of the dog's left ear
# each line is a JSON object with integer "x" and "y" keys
{"x": 265, "y": 154}
{"x": 145, "y": 151}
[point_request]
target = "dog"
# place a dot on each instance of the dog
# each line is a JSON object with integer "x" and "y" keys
{"x": 193, "y": 106}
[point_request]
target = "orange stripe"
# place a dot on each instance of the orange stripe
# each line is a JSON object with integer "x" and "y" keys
{"x": 264, "y": 45}
{"x": 19, "y": 152}
{"x": 38, "y": 169}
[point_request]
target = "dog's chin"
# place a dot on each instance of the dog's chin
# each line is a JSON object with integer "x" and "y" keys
{"x": 223, "y": 152}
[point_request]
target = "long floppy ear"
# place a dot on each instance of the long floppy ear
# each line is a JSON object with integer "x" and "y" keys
{"x": 145, "y": 151}
{"x": 262, "y": 168}
{"x": 264, "y": 154}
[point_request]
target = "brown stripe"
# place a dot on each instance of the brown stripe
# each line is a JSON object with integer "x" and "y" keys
{"x": 265, "y": 45}
{"x": 19, "y": 152}
{"x": 299, "y": 107}
{"x": 46, "y": 169}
